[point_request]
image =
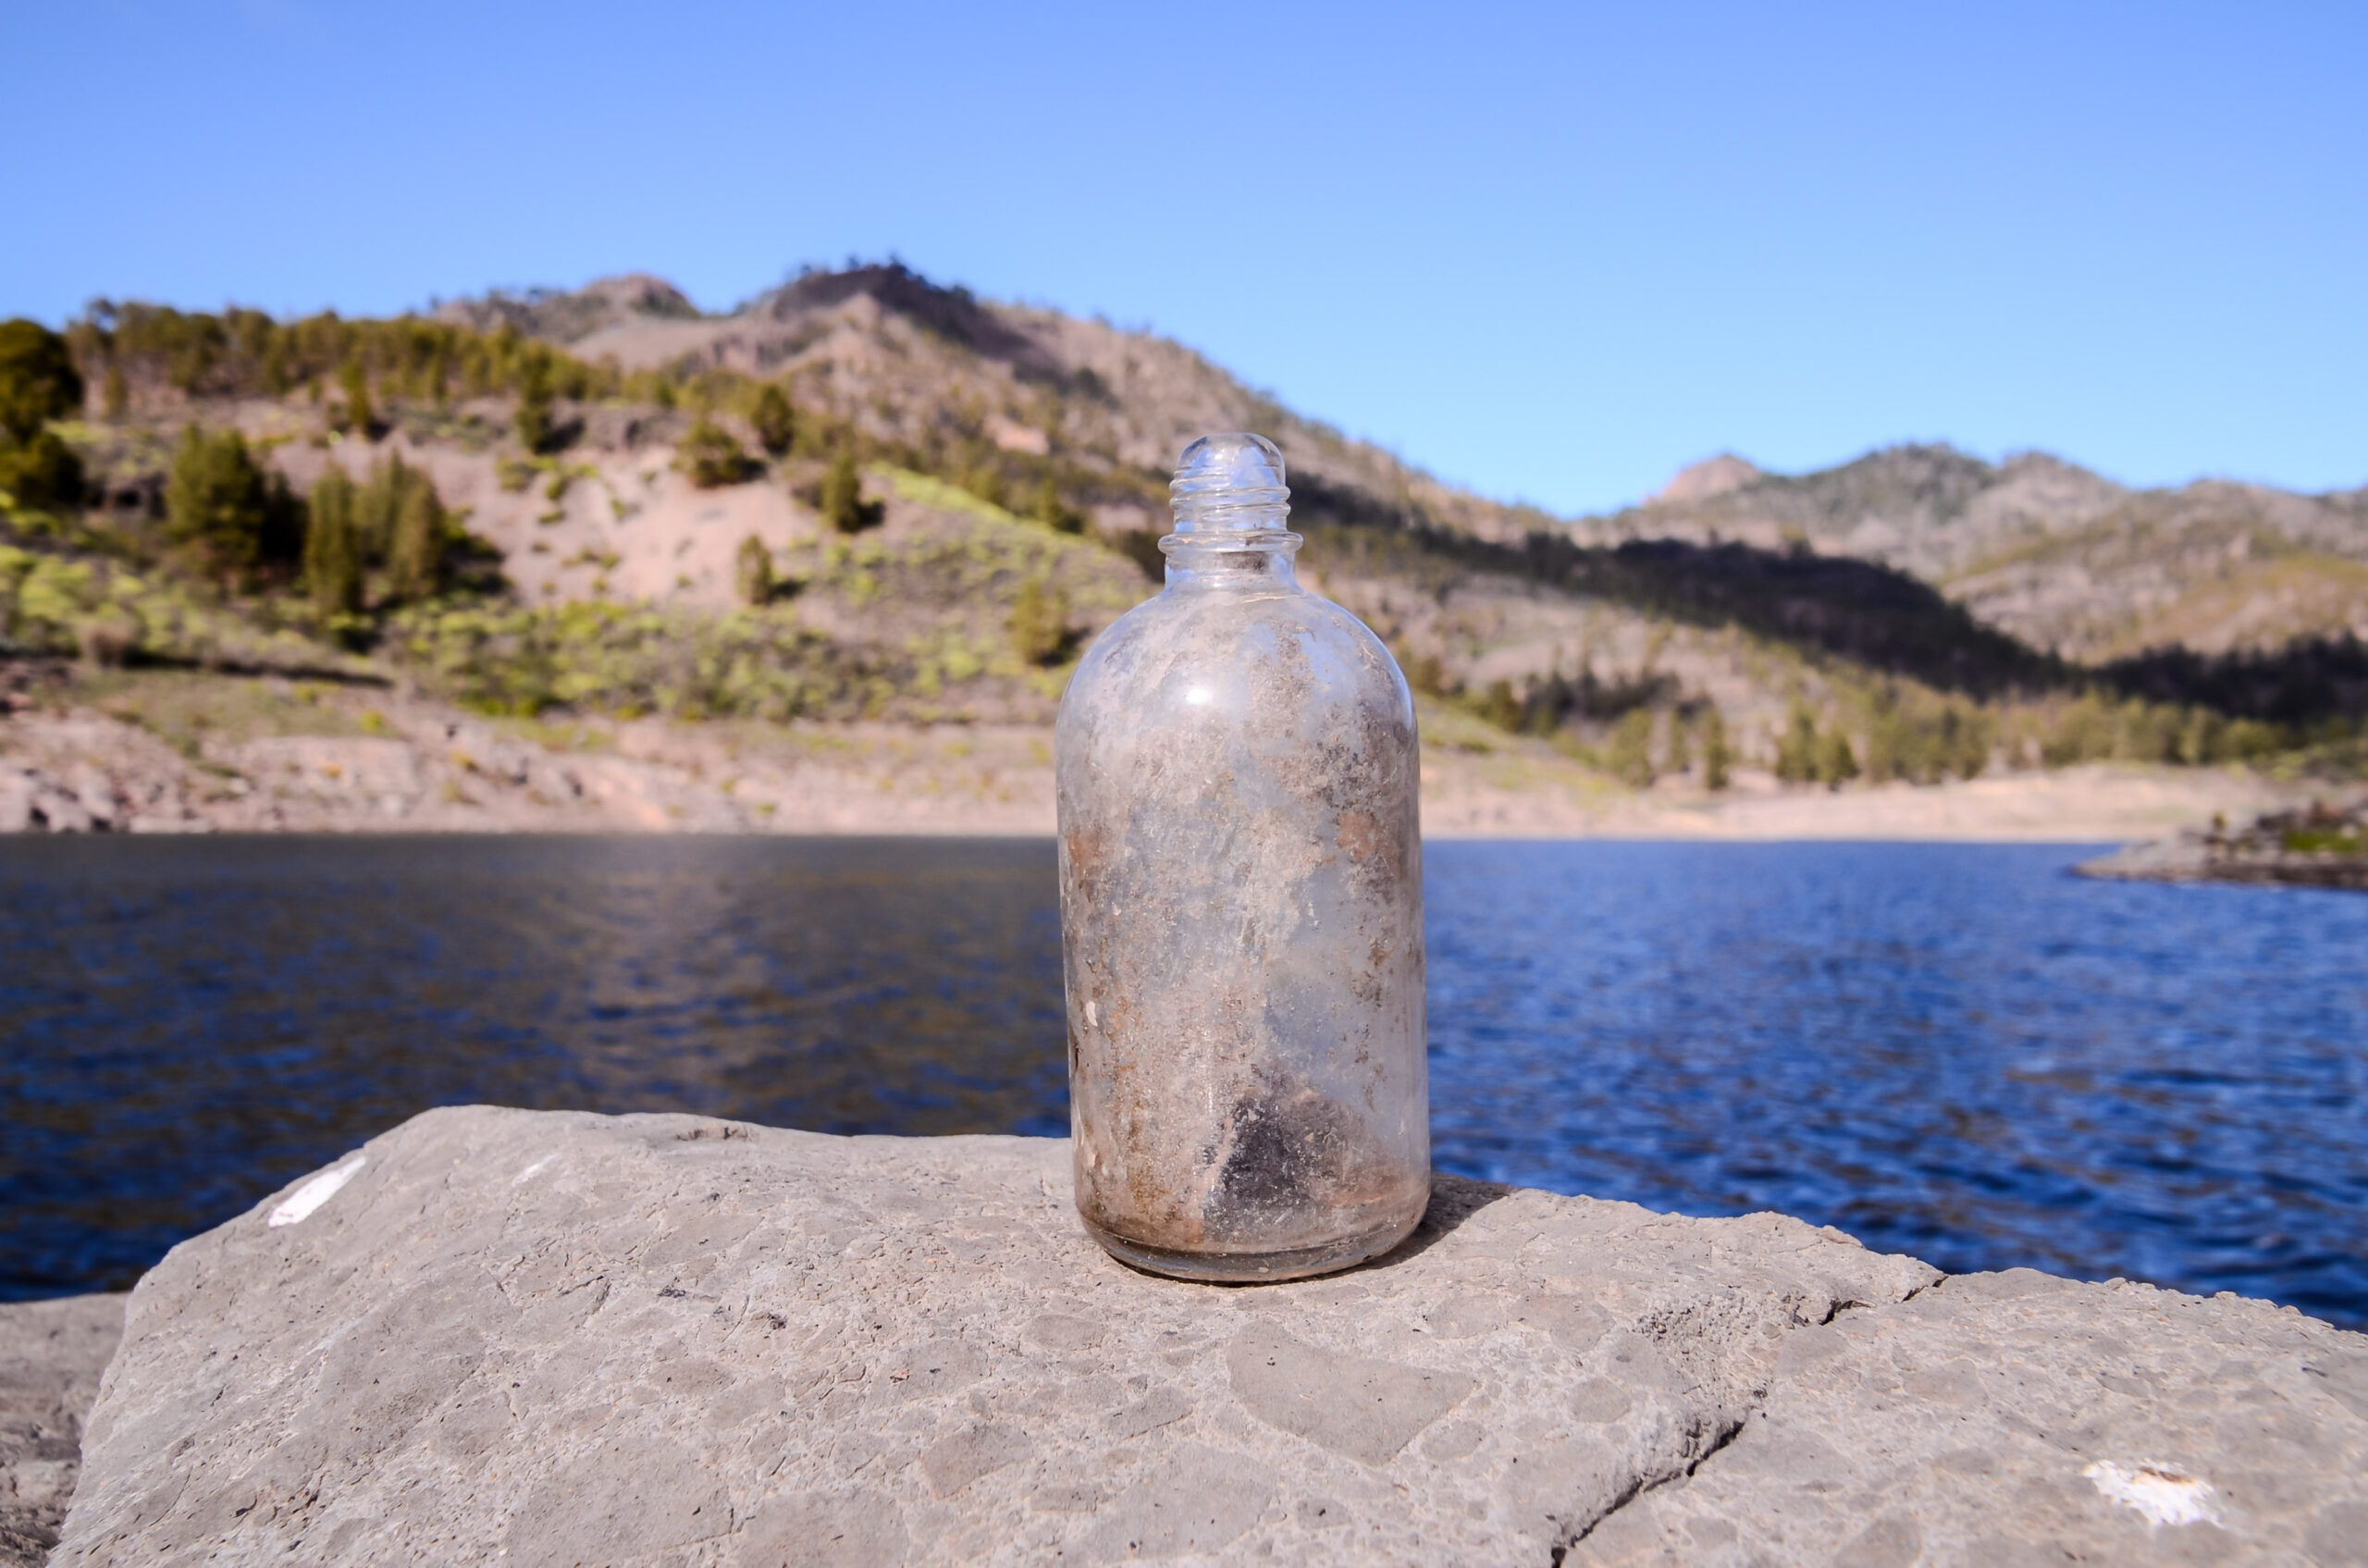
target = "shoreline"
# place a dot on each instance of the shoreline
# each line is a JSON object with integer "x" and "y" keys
{"x": 148, "y": 755}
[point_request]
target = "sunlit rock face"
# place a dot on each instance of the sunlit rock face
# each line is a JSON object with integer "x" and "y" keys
{"x": 554, "y": 1338}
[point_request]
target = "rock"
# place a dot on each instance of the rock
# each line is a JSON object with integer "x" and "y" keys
{"x": 2317, "y": 847}
{"x": 2016, "y": 1417}
{"x": 51, "y": 1355}
{"x": 558, "y": 1337}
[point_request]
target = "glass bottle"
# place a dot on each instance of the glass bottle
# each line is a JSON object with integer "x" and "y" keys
{"x": 1242, "y": 909}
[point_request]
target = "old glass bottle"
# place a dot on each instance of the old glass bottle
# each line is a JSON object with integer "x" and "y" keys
{"x": 1242, "y": 909}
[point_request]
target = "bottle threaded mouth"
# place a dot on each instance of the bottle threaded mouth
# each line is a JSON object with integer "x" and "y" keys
{"x": 1230, "y": 483}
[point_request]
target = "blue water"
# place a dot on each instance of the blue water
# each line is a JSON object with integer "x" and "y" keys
{"x": 1959, "y": 1052}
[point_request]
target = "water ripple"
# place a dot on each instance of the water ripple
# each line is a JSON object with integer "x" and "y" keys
{"x": 1958, "y": 1051}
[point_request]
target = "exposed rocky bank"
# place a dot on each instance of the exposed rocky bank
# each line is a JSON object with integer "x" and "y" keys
{"x": 559, "y": 1338}
{"x": 158, "y": 752}
{"x": 2319, "y": 846}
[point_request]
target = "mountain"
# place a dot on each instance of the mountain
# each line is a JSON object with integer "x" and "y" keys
{"x": 2035, "y": 547}
{"x": 907, "y": 360}
{"x": 945, "y": 498}
{"x": 2050, "y": 552}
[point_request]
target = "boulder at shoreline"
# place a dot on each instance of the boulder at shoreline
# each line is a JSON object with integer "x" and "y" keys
{"x": 559, "y": 1337}
{"x": 2317, "y": 847}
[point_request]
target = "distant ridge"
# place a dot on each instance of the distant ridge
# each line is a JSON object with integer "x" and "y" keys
{"x": 2061, "y": 557}
{"x": 1711, "y": 477}
{"x": 568, "y": 316}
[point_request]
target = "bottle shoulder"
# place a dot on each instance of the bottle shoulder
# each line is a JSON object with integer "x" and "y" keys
{"x": 1202, "y": 653}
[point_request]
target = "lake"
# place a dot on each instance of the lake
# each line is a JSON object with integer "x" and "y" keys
{"x": 1961, "y": 1051}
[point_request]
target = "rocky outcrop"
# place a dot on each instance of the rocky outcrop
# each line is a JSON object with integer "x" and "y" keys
{"x": 51, "y": 1355}
{"x": 563, "y": 1339}
{"x": 2317, "y": 846}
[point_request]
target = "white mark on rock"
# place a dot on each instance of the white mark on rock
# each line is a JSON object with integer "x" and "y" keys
{"x": 531, "y": 1168}
{"x": 1090, "y": 1021}
{"x": 2160, "y": 1493}
{"x": 299, "y": 1205}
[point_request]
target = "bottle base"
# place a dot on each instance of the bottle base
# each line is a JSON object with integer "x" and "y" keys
{"x": 1255, "y": 1268}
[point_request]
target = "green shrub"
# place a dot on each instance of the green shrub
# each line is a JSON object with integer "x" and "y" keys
{"x": 752, "y": 571}
{"x": 1501, "y": 708}
{"x": 711, "y": 457}
{"x": 1040, "y": 623}
{"x": 1054, "y": 513}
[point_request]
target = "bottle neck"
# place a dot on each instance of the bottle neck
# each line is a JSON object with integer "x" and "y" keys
{"x": 1228, "y": 559}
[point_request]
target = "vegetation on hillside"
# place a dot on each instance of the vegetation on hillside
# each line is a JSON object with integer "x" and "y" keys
{"x": 1878, "y": 675}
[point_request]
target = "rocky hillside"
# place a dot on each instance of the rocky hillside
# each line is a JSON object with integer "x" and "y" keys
{"x": 2049, "y": 552}
{"x": 865, "y": 497}
{"x": 2054, "y": 555}
{"x": 905, "y": 361}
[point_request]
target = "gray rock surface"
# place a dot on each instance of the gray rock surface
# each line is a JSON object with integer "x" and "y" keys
{"x": 566, "y": 1339}
{"x": 2018, "y": 1418}
{"x": 50, "y": 1356}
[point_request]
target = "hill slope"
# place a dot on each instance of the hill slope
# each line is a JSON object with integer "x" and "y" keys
{"x": 610, "y": 452}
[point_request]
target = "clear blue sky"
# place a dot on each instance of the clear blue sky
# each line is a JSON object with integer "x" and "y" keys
{"x": 1552, "y": 252}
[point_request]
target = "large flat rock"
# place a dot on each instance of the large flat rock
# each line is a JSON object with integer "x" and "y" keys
{"x": 2017, "y": 1419}
{"x": 566, "y": 1339}
{"x": 50, "y": 1356}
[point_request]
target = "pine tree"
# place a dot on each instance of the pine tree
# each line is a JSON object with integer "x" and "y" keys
{"x": 775, "y": 421}
{"x": 1677, "y": 755}
{"x": 534, "y": 417}
{"x": 752, "y": 571}
{"x": 1717, "y": 761}
{"x": 1836, "y": 764}
{"x": 1630, "y": 754}
{"x": 354, "y": 382}
{"x": 38, "y": 381}
{"x": 333, "y": 547}
{"x": 380, "y": 502}
{"x": 217, "y": 501}
{"x": 417, "y": 552}
{"x": 842, "y": 504}
{"x": 1796, "y": 750}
